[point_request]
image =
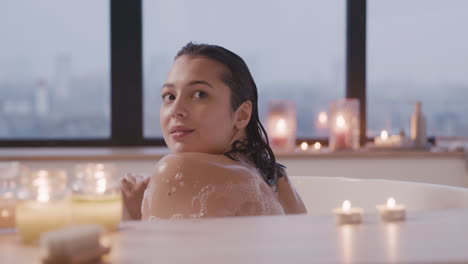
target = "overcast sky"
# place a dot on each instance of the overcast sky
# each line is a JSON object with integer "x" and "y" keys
{"x": 283, "y": 41}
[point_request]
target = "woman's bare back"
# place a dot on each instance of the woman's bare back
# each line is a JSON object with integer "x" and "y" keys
{"x": 193, "y": 185}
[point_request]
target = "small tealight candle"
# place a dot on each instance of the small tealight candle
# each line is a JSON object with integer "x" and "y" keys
{"x": 392, "y": 211}
{"x": 317, "y": 146}
{"x": 304, "y": 146}
{"x": 347, "y": 214}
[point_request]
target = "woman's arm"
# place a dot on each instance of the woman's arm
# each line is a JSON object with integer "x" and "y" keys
{"x": 289, "y": 198}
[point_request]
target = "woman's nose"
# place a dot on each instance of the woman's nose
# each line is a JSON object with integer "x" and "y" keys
{"x": 179, "y": 110}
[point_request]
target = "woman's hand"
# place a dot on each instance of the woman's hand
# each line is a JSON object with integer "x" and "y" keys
{"x": 133, "y": 187}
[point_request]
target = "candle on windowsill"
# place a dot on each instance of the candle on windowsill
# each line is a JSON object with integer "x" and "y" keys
{"x": 341, "y": 132}
{"x": 304, "y": 146}
{"x": 386, "y": 140}
{"x": 321, "y": 124}
{"x": 344, "y": 124}
{"x": 281, "y": 125}
{"x": 44, "y": 204}
{"x": 279, "y": 135}
{"x": 317, "y": 146}
{"x": 96, "y": 197}
{"x": 347, "y": 214}
{"x": 391, "y": 211}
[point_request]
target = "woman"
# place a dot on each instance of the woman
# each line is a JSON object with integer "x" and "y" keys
{"x": 220, "y": 162}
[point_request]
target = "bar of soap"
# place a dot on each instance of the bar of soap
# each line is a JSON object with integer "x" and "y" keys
{"x": 75, "y": 244}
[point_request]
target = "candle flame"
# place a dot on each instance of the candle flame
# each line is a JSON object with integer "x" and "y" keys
{"x": 323, "y": 118}
{"x": 346, "y": 206}
{"x": 99, "y": 174}
{"x": 340, "y": 121}
{"x": 101, "y": 185}
{"x": 280, "y": 127}
{"x": 304, "y": 146}
{"x": 43, "y": 194}
{"x": 384, "y": 135}
{"x": 5, "y": 213}
{"x": 42, "y": 186}
{"x": 317, "y": 145}
{"x": 391, "y": 202}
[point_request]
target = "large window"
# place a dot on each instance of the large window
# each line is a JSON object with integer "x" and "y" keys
{"x": 56, "y": 56}
{"x": 294, "y": 49}
{"x": 417, "y": 51}
{"x": 54, "y": 69}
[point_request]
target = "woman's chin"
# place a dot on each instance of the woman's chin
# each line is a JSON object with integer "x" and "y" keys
{"x": 179, "y": 147}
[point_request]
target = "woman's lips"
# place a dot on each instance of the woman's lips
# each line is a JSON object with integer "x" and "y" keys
{"x": 180, "y": 131}
{"x": 180, "y": 134}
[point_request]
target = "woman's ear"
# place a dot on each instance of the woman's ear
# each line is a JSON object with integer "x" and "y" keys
{"x": 242, "y": 115}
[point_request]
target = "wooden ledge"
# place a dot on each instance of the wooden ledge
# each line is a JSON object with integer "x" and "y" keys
{"x": 155, "y": 153}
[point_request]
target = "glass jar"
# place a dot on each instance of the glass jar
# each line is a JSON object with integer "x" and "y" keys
{"x": 43, "y": 203}
{"x": 282, "y": 124}
{"x": 9, "y": 175}
{"x": 96, "y": 196}
{"x": 344, "y": 124}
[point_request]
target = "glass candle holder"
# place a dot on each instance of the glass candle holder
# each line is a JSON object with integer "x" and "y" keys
{"x": 9, "y": 175}
{"x": 96, "y": 196}
{"x": 282, "y": 124}
{"x": 43, "y": 203}
{"x": 344, "y": 124}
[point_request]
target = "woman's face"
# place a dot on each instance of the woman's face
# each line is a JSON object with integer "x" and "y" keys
{"x": 196, "y": 113}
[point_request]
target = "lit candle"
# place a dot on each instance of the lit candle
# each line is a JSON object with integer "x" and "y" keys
{"x": 341, "y": 131}
{"x": 321, "y": 124}
{"x": 383, "y": 140}
{"x": 347, "y": 214}
{"x": 44, "y": 204}
{"x": 96, "y": 197}
{"x": 322, "y": 119}
{"x": 281, "y": 125}
{"x": 304, "y": 146}
{"x": 317, "y": 146}
{"x": 344, "y": 124}
{"x": 392, "y": 211}
{"x": 9, "y": 173}
{"x": 279, "y": 133}
{"x": 7, "y": 211}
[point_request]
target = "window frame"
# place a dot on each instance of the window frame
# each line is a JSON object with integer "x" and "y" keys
{"x": 126, "y": 48}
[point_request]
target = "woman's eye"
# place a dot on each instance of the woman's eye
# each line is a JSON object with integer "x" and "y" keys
{"x": 168, "y": 97}
{"x": 200, "y": 94}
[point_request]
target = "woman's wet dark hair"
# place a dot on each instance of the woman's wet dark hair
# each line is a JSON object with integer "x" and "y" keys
{"x": 255, "y": 147}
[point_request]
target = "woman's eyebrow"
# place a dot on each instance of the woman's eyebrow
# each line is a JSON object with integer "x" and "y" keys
{"x": 168, "y": 85}
{"x": 191, "y": 83}
{"x": 200, "y": 82}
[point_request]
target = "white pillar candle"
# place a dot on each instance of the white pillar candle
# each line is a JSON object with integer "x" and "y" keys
{"x": 347, "y": 214}
{"x": 392, "y": 211}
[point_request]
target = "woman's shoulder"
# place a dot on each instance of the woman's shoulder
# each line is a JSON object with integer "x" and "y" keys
{"x": 202, "y": 166}
{"x": 185, "y": 184}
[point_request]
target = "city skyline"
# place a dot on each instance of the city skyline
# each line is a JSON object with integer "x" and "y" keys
{"x": 294, "y": 50}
